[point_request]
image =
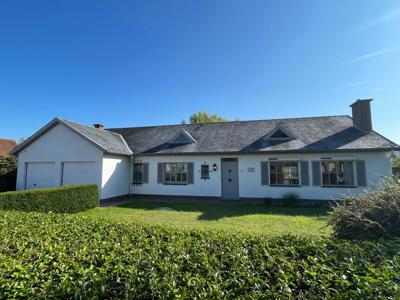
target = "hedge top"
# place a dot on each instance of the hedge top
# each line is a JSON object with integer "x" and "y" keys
{"x": 65, "y": 199}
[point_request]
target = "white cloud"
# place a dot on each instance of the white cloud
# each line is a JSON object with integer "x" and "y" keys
{"x": 369, "y": 55}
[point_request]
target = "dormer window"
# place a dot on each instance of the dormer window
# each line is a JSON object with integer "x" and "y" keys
{"x": 278, "y": 134}
{"x": 183, "y": 137}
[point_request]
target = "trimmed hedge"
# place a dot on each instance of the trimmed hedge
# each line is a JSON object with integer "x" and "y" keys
{"x": 65, "y": 199}
{"x": 70, "y": 256}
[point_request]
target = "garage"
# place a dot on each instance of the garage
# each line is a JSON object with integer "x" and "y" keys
{"x": 39, "y": 175}
{"x": 82, "y": 172}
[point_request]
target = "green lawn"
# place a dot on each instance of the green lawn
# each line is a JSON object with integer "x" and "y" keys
{"x": 253, "y": 219}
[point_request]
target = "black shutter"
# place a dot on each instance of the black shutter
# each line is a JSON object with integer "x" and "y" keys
{"x": 190, "y": 172}
{"x": 316, "y": 173}
{"x": 146, "y": 173}
{"x": 305, "y": 174}
{"x": 160, "y": 172}
{"x": 361, "y": 173}
{"x": 264, "y": 173}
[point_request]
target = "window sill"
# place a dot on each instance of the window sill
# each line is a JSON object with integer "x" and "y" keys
{"x": 285, "y": 185}
{"x": 137, "y": 183}
{"x": 340, "y": 186}
{"x": 174, "y": 183}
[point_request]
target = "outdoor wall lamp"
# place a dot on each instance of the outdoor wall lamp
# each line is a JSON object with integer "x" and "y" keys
{"x": 214, "y": 167}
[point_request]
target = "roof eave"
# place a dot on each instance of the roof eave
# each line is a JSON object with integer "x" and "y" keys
{"x": 270, "y": 152}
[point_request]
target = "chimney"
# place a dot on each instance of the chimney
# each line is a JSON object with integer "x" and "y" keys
{"x": 98, "y": 126}
{"x": 362, "y": 114}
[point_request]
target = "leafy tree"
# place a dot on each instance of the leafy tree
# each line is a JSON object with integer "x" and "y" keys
{"x": 204, "y": 117}
{"x": 8, "y": 173}
{"x": 396, "y": 162}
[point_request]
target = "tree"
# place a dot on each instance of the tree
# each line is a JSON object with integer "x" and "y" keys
{"x": 396, "y": 162}
{"x": 8, "y": 173}
{"x": 204, "y": 117}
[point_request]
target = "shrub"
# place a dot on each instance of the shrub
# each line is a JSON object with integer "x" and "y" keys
{"x": 267, "y": 201}
{"x": 69, "y": 256}
{"x": 8, "y": 173}
{"x": 373, "y": 214}
{"x": 65, "y": 199}
{"x": 290, "y": 199}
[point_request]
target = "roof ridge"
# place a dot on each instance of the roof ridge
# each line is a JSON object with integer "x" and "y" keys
{"x": 225, "y": 122}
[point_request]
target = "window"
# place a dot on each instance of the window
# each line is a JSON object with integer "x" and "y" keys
{"x": 176, "y": 173}
{"x": 205, "y": 172}
{"x": 336, "y": 173}
{"x": 138, "y": 173}
{"x": 284, "y": 173}
{"x": 279, "y": 134}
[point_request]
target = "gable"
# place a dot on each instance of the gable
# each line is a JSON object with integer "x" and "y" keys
{"x": 183, "y": 137}
{"x": 279, "y": 134}
{"x": 60, "y": 141}
{"x": 104, "y": 140}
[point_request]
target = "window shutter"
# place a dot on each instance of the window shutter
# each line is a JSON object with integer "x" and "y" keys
{"x": 316, "y": 173}
{"x": 190, "y": 173}
{"x": 361, "y": 173}
{"x": 160, "y": 172}
{"x": 305, "y": 174}
{"x": 264, "y": 173}
{"x": 146, "y": 173}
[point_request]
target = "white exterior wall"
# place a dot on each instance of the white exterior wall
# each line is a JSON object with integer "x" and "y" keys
{"x": 377, "y": 165}
{"x": 115, "y": 178}
{"x": 210, "y": 187}
{"x": 59, "y": 144}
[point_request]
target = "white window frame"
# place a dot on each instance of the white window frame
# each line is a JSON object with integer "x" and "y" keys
{"x": 285, "y": 184}
{"x": 338, "y": 185}
{"x": 173, "y": 182}
{"x": 141, "y": 170}
{"x": 208, "y": 172}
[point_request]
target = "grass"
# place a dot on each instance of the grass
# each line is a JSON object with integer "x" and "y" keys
{"x": 249, "y": 219}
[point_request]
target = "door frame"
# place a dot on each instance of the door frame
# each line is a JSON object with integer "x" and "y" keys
{"x": 232, "y": 159}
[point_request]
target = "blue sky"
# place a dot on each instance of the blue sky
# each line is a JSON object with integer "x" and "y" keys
{"x": 134, "y": 63}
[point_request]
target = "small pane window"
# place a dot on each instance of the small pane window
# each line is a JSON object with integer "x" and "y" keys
{"x": 205, "y": 172}
{"x": 176, "y": 173}
{"x": 137, "y": 173}
{"x": 284, "y": 173}
{"x": 337, "y": 173}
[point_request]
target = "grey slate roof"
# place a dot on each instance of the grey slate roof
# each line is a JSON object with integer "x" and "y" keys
{"x": 110, "y": 142}
{"x": 316, "y": 134}
{"x": 107, "y": 141}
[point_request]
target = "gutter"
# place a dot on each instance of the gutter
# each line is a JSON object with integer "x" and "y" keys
{"x": 271, "y": 152}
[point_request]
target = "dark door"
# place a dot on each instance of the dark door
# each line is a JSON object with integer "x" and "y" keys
{"x": 230, "y": 178}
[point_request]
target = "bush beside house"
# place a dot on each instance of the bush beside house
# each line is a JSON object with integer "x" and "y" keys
{"x": 373, "y": 214}
{"x": 8, "y": 173}
{"x": 69, "y": 256}
{"x": 65, "y": 199}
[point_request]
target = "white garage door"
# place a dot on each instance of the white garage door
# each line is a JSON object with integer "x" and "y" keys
{"x": 78, "y": 173}
{"x": 39, "y": 175}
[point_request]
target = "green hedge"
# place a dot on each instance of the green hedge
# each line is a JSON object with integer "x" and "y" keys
{"x": 69, "y": 256}
{"x": 8, "y": 173}
{"x": 65, "y": 199}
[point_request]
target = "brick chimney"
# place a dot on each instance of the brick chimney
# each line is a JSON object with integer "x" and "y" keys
{"x": 362, "y": 114}
{"x": 98, "y": 126}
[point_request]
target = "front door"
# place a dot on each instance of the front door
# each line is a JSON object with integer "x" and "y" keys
{"x": 230, "y": 178}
